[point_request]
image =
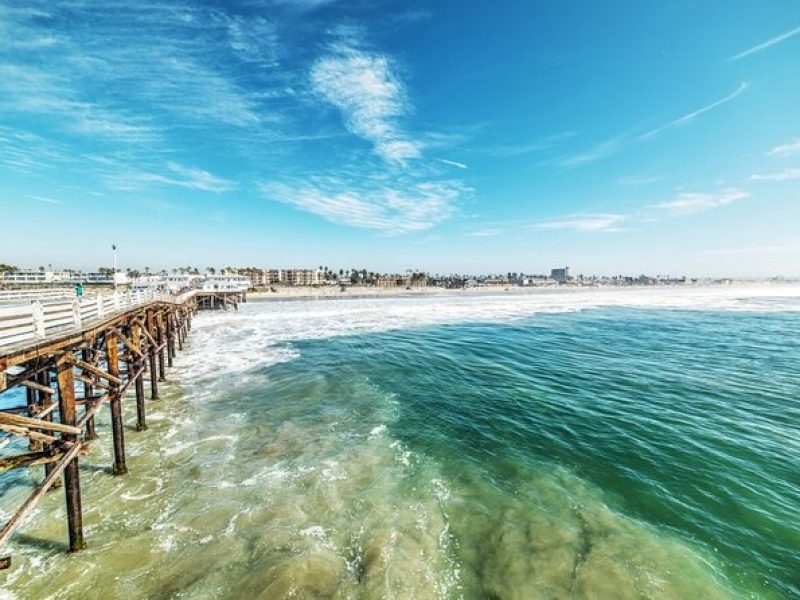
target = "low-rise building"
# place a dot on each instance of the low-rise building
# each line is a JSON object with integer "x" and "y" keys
{"x": 393, "y": 281}
{"x": 34, "y": 276}
{"x": 225, "y": 283}
{"x": 302, "y": 277}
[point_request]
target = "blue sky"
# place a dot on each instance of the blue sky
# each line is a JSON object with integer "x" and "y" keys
{"x": 625, "y": 137}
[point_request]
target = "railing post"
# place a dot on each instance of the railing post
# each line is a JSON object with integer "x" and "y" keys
{"x": 37, "y": 313}
{"x": 76, "y": 313}
{"x": 101, "y": 309}
{"x": 117, "y": 303}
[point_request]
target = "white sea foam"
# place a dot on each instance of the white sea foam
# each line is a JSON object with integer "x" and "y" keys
{"x": 261, "y": 333}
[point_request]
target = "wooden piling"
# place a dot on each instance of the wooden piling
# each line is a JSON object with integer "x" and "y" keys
{"x": 72, "y": 482}
{"x": 136, "y": 338}
{"x": 179, "y": 329}
{"x": 30, "y": 400}
{"x": 162, "y": 339}
{"x": 115, "y": 401}
{"x": 45, "y": 399}
{"x": 169, "y": 324}
{"x": 151, "y": 356}
{"x": 88, "y": 391}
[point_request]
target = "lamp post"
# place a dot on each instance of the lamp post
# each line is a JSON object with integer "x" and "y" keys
{"x": 114, "y": 274}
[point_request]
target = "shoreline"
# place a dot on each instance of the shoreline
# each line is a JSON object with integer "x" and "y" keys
{"x": 367, "y": 292}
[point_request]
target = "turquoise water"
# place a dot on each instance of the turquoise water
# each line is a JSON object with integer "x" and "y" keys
{"x": 688, "y": 422}
{"x": 326, "y": 451}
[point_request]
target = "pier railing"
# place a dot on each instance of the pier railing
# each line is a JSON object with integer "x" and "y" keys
{"x": 40, "y": 318}
{"x": 38, "y": 294}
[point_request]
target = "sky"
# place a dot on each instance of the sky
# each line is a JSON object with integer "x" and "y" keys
{"x": 636, "y": 136}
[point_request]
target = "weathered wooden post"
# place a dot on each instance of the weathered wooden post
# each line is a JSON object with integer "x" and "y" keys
{"x": 162, "y": 376}
{"x": 117, "y": 430}
{"x": 151, "y": 357}
{"x": 72, "y": 482}
{"x": 169, "y": 323}
{"x": 179, "y": 327}
{"x": 45, "y": 400}
{"x": 88, "y": 392}
{"x": 136, "y": 335}
{"x": 30, "y": 400}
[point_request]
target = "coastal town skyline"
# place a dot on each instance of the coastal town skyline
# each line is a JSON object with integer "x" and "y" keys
{"x": 657, "y": 139}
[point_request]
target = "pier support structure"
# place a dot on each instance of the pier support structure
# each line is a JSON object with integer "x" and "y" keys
{"x": 101, "y": 361}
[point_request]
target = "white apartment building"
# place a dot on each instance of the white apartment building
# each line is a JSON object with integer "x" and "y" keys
{"x": 226, "y": 283}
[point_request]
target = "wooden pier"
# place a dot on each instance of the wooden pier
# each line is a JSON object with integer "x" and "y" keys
{"x": 73, "y": 357}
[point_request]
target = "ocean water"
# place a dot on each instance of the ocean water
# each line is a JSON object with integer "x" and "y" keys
{"x": 640, "y": 444}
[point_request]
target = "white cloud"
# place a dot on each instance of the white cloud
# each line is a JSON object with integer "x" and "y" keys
{"x": 690, "y": 203}
{"x": 490, "y": 232}
{"x": 688, "y": 117}
{"x": 185, "y": 177}
{"x": 784, "y": 150}
{"x": 452, "y": 163}
{"x": 537, "y": 145}
{"x": 46, "y": 200}
{"x": 586, "y": 222}
{"x": 255, "y": 40}
{"x": 785, "y": 248}
{"x": 364, "y": 87}
{"x": 640, "y": 179}
{"x": 599, "y": 151}
{"x": 399, "y": 209}
{"x": 763, "y": 46}
{"x": 785, "y": 175}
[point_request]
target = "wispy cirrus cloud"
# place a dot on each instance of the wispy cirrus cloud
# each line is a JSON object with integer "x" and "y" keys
{"x": 644, "y": 178}
{"x": 691, "y": 116}
{"x": 764, "y": 45}
{"x": 598, "y": 151}
{"x": 176, "y": 69}
{"x": 790, "y": 247}
{"x": 689, "y": 203}
{"x": 179, "y": 175}
{"x": 785, "y": 175}
{"x": 46, "y": 199}
{"x": 599, "y": 222}
{"x": 785, "y": 150}
{"x": 537, "y": 145}
{"x": 487, "y": 232}
{"x": 682, "y": 205}
{"x": 453, "y": 163}
{"x": 371, "y": 97}
{"x": 391, "y": 209}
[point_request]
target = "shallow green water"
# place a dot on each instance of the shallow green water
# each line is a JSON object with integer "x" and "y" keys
{"x": 610, "y": 453}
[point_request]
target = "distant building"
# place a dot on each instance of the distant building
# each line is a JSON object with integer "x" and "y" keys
{"x": 258, "y": 278}
{"x": 302, "y": 276}
{"x": 32, "y": 277}
{"x": 393, "y": 281}
{"x": 274, "y": 276}
{"x": 560, "y": 275}
{"x": 226, "y": 283}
